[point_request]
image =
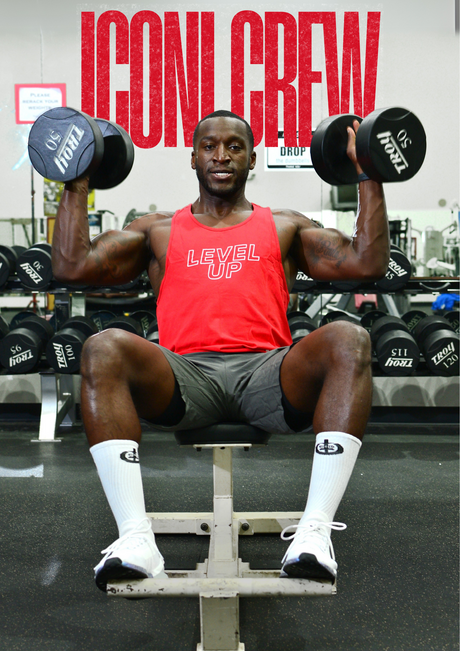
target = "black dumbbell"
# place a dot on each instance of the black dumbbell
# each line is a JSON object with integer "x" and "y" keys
{"x": 412, "y": 318}
{"x": 369, "y": 318}
{"x": 395, "y": 348}
{"x": 22, "y": 348}
{"x": 152, "y": 333}
{"x": 439, "y": 345}
{"x": 390, "y": 146}
{"x": 144, "y": 318}
{"x": 63, "y": 350}
{"x": 300, "y": 325}
{"x": 102, "y": 318}
{"x": 65, "y": 144}
{"x": 34, "y": 267}
{"x": 4, "y": 327}
{"x": 336, "y": 315}
{"x": 8, "y": 262}
{"x": 126, "y": 323}
{"x": 303, "y": 283}
{"x": 398, "y": 272}
{"x": 453, "y": 316}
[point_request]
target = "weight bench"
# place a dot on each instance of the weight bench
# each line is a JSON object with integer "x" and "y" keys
{"x": 223, "y": 577}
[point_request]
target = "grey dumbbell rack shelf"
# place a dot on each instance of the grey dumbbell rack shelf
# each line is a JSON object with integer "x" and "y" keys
{"x": 58, "y": 393}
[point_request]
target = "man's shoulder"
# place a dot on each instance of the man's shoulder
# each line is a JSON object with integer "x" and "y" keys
{"x": 293, "y": 216}
{"x": 151, "y": 220}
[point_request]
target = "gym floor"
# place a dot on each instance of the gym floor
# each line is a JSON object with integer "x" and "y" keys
{"x": 398, "y": 558}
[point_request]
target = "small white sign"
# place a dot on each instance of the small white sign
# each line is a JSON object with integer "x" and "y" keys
{"x": 32, "y": 101}
{"x": 287, "y": 158}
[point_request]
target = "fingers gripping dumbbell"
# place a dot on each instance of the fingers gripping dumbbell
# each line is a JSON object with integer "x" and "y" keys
{"x": 390, "y": 146}
{"x": 22, "y": 348}
{"x": 395, "y": 348}
{"x": 65, "y": 144}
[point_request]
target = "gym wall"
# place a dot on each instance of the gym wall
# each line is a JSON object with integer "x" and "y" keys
{"x": 418, "y": 68}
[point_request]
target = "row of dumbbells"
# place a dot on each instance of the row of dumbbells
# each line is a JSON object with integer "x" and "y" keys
{"x": 29, "y": 339}
{"x": 32, "y": 267}
{"x": 399, "y": 342}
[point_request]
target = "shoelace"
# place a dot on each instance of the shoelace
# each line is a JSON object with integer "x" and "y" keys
{"x": 144, "y": 526}
{"x": 305, "y": 530}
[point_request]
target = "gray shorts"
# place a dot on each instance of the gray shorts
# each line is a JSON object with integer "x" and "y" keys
{"x": 230, "y": 387}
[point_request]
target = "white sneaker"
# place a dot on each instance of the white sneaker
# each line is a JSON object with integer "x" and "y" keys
{"x": 310, "y": 555}
{"x": 133, "y": 556}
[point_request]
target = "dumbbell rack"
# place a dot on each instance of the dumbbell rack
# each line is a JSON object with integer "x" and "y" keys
{"x": 59, "y": 393}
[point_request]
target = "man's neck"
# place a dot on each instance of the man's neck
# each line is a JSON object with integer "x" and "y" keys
{"x": 218, "y": 207}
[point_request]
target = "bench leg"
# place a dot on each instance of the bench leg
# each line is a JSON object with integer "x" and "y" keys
{"x": 220, "y": 622}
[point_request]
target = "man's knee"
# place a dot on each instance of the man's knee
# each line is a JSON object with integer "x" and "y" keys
{"x": 349, "y": 343}
{"x": 105, "y": 352}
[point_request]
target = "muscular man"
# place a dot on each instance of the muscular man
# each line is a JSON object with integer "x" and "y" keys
{"x": 221, "y": 269}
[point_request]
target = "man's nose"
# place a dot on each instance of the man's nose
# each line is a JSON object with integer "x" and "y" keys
{"x": 221, "y": 153}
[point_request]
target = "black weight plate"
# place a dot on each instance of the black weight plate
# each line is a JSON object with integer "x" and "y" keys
{"x": 63, "y": 351}
{"x": 64, "y": 144}
{"x": 413, "y": 317}
{"x": 385, "y": 324}
{"x": 19, "y": 317}
{"x": 34, "y": 268}
{"x": 4, "y": 327}
{"x": 398, "y": 273}
{"x": 335, "y": 315}
{"x": 397, "y": 353}
{"x": 345, "y": 285}
{"x": 4, "y": 270}
{"x": 102, "y": 318}
{"x": 83, "y": 324}
{"x": 18, "y": 249}
{"x": 153, "y": 336}
{"x": 328, "y": 150}
{"x": 12, "y": 257}
{"x": 441, "y": 351}
{"x": 369, "y": 318}
{"x": 20, "y": 351}
{"x": 453, "y": 316}
{"x": 303, "y": 283}
{"x": 145, "y": 318}
{"x": 118, "y": 157}
{"x": 428, "y": 325}
{"x": 44, "y": 246}
{"x": 40, "y": 326}
{"x": 391, "y": 145}
{"x": 126, "y": 323}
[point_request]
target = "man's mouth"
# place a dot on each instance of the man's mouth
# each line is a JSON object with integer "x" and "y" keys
{"x": 221, "y": 174}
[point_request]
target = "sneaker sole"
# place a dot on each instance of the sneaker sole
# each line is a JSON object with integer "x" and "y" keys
{"x": 114, "y": 570}
{"x": 307, "y": 567}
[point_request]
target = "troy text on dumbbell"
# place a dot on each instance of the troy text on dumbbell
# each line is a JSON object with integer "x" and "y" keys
{"x": 64, "y": 145}
{"x": 393, "y": 148}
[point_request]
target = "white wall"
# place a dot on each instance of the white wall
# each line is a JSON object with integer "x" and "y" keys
{"x": 418, "y": 68}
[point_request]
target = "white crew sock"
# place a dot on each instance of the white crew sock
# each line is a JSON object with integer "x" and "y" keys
{"x": 333, "y": 462}
{"x": 117, "y": 463}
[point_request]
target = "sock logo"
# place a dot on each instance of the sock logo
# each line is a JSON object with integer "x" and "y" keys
{"x": 130, "y": 456}
{"x": 329, "y": 448}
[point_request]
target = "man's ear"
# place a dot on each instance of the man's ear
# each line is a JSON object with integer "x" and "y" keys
{"x": 193, "y": 159}
{"x": 253, "y": 160}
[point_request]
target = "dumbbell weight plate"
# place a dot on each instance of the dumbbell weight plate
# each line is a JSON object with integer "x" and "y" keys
{"x": 118, "y": 157}
{"x": 428, "y": 325}
{"x": 391, "y": 145}
{"x": 21, "y": 348}
{"x": 453, "y": 316}
{"x": 64, "y": 144}
{"x": 102, "y": 318}
{"x": 397, "y": 353}
{"x": 63, "y": 350}
{"x": 144, "y": 318}
{"x": 300, "y": 326}
{"x": 336, "y": 315}
{"x": 303, "y": 283}
{"x": 328, "y": 150}
{"x": 441, "y": 352}
{"x": 4, "y": 270}
{"x": 398, "y": 272}
{"x": 126, "y": 323}
{"x": 385, "y": 324}
{"x": 369, "y": 318}
{"x": 34, "y": 268}
{"x": 412, "y": 318}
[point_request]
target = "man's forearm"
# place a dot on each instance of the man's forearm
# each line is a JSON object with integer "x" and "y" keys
{"x": 371, "y": 237}
{"x": 71, "y": 241}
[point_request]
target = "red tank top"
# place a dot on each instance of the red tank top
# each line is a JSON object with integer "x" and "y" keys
{"x": 224, "y": 289}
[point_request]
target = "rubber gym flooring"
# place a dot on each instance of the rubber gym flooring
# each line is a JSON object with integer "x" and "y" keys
{"x": 398, "y": 558}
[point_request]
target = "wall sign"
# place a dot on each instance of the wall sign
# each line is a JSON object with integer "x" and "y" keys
{"x": 34, "y": 99}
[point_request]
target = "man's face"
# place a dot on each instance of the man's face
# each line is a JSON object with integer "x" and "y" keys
{"x": 222, "y": 157}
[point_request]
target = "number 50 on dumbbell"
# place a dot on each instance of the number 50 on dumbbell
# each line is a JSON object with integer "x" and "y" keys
{"x": 65, "y": 144}
{"x": 390, "y": 147}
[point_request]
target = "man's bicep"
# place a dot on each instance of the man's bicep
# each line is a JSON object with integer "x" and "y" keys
{"x": 327, "y": 252}
{"x": 117, "y": 256}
